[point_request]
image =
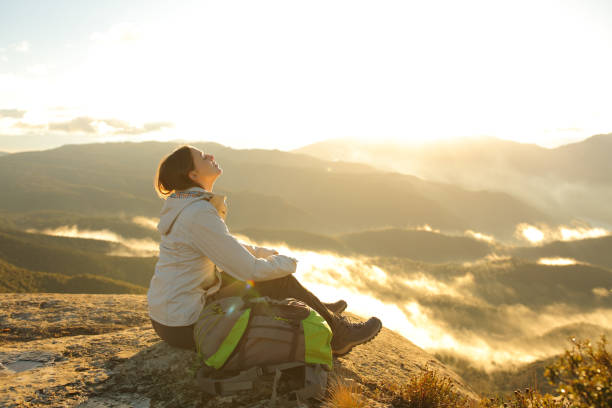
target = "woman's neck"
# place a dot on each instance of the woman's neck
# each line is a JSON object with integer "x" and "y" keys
{"x": 207, "y": 187}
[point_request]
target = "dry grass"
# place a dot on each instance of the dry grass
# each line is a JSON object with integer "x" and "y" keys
{"x": 426, "y": 390}
{"x": 583, "y": 375}
{"x": 527, "y": 399}
{"x": 344, "y": 394}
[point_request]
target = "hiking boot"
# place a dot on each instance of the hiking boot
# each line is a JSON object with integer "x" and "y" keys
{"x": 336, "y": 307}
{"x": 348, "y": 334}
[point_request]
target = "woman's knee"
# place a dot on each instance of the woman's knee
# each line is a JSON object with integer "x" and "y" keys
{"x": 279, "y": 287}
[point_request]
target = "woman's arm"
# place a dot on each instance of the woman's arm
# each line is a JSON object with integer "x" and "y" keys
{"x": 210, "y": 235}
{"x": 259, "y": 252}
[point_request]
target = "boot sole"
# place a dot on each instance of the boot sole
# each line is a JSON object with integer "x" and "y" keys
{"x": 346, "y": 349}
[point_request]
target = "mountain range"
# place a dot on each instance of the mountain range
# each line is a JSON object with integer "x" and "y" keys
{"x": 264, "y": 188}
{"x": 570, "y": 181}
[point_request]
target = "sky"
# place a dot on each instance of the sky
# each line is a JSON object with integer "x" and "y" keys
{"x": 285, "y": 74}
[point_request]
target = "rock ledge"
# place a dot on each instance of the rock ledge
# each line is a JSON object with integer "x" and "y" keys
{"x": 66, "y": 350}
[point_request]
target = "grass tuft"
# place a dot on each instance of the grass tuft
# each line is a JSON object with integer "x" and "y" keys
{"x": 344, "y": 394}
{"x": 426, "y": 390}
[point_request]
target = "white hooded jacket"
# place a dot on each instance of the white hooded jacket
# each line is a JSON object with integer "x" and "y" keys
{"x": 195, "y": 246}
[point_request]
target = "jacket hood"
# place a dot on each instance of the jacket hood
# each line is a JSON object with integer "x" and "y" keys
{"x": 173, "y": 206}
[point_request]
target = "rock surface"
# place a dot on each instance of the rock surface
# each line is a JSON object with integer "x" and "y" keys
{"x": 65, "y": 350}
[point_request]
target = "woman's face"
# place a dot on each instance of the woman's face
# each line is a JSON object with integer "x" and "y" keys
{"x": 206, "y": 168}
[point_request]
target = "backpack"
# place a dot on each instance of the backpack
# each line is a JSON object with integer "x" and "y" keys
{"x": 241, "y": 340}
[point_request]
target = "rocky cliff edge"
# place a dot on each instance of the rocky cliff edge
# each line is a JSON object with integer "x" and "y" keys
{"x": 65, "y": 350}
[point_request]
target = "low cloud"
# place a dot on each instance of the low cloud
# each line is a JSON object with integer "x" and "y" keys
{"x": 480, "y": 236}
{"x": 542, "y": 233}
{"x": 572, "y": 234}
{"x": 426, "y": 227}
{"x": 602, "y": 292}
{"x": 150, "y": 223}
{"x": 557, "y": 261}
{"x": 530, "y": 233}
{"x": 12, "y": 113}
{"x": 128, "y": 246}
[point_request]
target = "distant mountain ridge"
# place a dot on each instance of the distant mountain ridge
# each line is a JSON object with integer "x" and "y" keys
{"x": 567, "y": 160}
{"x": 597, "y": 251}
{"x": 19, "y": 280}
{"x": 264, "y": 188}
{"x": 417, "y": 245}
{"x": 71, "y": 257}
{"x": 556, "y": 181}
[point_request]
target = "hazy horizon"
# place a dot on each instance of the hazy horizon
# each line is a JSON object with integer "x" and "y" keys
{"x": 378, "y": 142}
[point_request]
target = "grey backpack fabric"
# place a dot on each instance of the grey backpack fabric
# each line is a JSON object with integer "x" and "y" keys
{"x": 240, "y": 341}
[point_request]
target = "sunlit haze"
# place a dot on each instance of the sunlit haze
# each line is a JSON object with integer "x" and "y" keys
{"x": 280, "y": 75}
{"x": 403, "y": 301}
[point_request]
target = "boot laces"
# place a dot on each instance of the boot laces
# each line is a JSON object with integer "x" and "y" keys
{"x": 349, "y": 321}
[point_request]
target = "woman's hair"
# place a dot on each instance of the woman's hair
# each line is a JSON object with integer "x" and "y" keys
{"x": 173, "y": 172}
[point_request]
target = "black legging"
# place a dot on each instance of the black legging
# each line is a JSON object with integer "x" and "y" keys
{"x": 281, "y": 288}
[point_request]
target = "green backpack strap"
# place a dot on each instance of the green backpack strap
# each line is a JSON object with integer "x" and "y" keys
{"x": 230, "y": 342}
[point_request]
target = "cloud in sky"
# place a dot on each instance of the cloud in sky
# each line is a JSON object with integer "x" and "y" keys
{"x": 124, "y": 128}
{"x": 12, "y": 113}
{"x": 38, "y": 69}
{"x": 30, "y": 126}
{"x": 55, "y": 126}
{"x": 22, "y": 46}
{"x": 90, "y": 125}
{"x": 81, "y": 124}
{"x": 125, "y": 32}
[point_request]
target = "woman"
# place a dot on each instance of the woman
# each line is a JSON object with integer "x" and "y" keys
{"x": 199, "y": 259}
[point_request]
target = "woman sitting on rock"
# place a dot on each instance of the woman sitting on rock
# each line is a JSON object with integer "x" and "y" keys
{"x": 199, "y": 259}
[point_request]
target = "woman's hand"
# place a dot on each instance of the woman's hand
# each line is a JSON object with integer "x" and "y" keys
{"x": 263, "y": 252}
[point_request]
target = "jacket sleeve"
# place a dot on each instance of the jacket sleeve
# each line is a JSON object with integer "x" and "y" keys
{"x": 252, "y": 249}
{"x": 211, "y": 236}
{"x": 257, "y": 251}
